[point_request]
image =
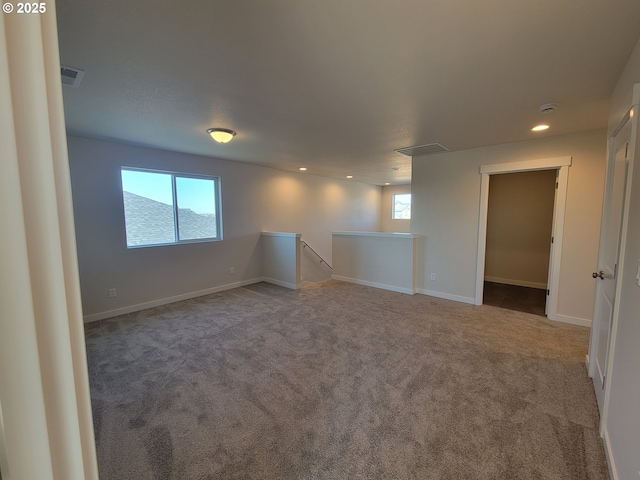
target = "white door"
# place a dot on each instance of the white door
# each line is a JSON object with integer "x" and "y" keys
{"x": 608, "y": 260}
{"x": 552, "y": 255}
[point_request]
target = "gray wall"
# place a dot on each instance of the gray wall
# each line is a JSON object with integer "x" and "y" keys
{"x": 446, "y": 195}
{"x": 254, "y": 199}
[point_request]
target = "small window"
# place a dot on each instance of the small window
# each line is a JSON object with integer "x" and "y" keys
{"x": 401, "y": 206}
{"x": 162, "y": 208}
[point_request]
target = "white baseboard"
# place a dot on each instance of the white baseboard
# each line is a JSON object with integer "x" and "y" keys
{"x": 366, "y": 283}
{"x": 280, "y": 283}
{"x": 613, "y": 473}
{"x": 164, "y": 301}
{"x": 518, "y": 283}
{"x": 586, "y": 361}
{"x": 583, "y": 322}
{"x": 447, "y": 296}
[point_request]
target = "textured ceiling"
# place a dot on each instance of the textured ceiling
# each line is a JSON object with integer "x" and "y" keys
{"x": 337, "y": 85}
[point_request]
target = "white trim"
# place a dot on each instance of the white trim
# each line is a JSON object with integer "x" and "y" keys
{"x": 281, "y": 234}
{"x": 593, "y": 368}
{"x": 586, "y": 361}
{"x": 526, "y": 165}
{"x": 583, "y": 322}
{"x": 562, "y": 165}
{"x": 482, "y": 237}
{"x": 518, "y": 283}
{"x": 613, "y": 472}
{"x": 94, "y": 317}
{"x": 280, "y": 283}
{"x": 611, "y": 351}
{"x": 366, "y": 283}
{"x": 446, "y": 296}
{"x": 627, "y": 116}
{"x": 635, "y": 96}
{"x": 559, "y": 210}
{"x": 4, "y": 461}
{"x": 375, "y": 234}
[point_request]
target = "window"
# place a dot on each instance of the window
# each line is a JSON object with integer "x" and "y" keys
{"x": 163, "y": 208}
{"x": 401, "y": 206}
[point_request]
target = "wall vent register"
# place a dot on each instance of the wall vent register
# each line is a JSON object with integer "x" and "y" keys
{"x": 71, "y": 77}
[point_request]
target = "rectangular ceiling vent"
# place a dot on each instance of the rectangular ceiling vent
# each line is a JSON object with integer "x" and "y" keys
{"x": 429, "y": 149}
{"x": 71, "y": 77}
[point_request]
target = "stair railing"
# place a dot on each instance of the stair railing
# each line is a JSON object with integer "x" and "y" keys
{"x": 322, "y": 260}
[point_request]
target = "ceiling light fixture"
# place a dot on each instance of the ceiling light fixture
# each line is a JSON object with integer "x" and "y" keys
{"x": 349, "y": 176}
{"x": 387, "y": 183}
{"x": 303, "y": 169}
{"x": 539, "y": 128}
{"x": 221, "y": 135}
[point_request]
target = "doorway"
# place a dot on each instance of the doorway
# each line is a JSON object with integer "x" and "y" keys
{"x": 519, "y": 226}
{"x": 560, "y": 166}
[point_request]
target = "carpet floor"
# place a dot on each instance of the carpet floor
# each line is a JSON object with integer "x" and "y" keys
{"x": 341, "y": 381}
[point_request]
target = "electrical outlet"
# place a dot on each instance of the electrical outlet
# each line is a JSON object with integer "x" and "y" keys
{"x": 232, "y": 270}
{"x": 112, "y": 293}
{"x": 432, "y": 277}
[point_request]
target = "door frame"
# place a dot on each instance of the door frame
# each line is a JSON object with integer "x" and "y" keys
{"x": 561, "y": 164}
{"x": 591, "y": 358}
{"x": 631, "y": 115}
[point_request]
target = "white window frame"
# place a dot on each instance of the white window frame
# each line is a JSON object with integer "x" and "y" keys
{"x": 393, "y": 206}
{"x": 176, "y": 227}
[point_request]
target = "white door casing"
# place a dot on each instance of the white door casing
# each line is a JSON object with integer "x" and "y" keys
{"x": 560, "y": 164}
{"x": 552, "y": 252}
{"x": 609, "y": 260}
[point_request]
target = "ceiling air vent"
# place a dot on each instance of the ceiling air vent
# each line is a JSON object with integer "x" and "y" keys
{"x": 429, "y": 149}
{"x": 71, "y": 77}
{"x": 548, "y": 107}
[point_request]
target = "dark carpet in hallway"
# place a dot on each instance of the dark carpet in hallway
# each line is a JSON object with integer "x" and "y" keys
{"x": 341, "y": 381}
{"x": 513, "y": 297}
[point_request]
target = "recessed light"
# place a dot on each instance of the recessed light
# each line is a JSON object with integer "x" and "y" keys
{"x": 349, "y": 176}
{"x": 539, "y": 128}
{"x": 303, "y": 169}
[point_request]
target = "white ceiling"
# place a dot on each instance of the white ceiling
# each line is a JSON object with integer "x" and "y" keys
{"x": 337, "y": 85}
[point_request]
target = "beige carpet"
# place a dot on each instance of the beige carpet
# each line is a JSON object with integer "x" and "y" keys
{"x": 341, "y": 381}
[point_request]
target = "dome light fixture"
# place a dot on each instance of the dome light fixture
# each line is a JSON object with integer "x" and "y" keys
{"x": 221, "y": 135}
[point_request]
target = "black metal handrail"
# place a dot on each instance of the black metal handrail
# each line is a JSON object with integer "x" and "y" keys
{"x": 322, "y": 260}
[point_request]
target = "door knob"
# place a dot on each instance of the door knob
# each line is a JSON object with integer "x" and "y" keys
{"x": 599, "y": 275}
